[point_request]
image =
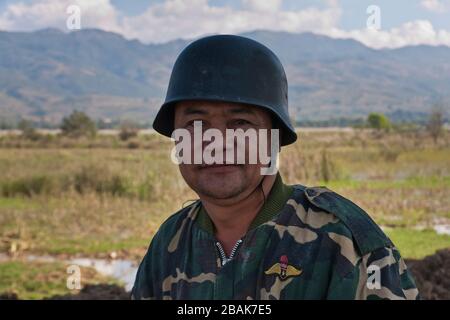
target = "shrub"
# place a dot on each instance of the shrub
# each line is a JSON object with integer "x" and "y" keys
{"x": 146, "y": 190}
{"x": 389, "y": 154}
{"x": 128, "y": 129}
{"x": 28, "y": 131}
{"x": 378, "y": 121}
{"x": 78, "y": 124}
{"x": 92, "y": 178}
{"x": 28, "y": 186}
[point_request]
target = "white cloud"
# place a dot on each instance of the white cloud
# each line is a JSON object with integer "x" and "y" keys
{"x": 439, "y": 6}
{"x": 186, "y": 19}
{"x": 410, "y": 33}
{"x": 174, "y": 19}
{"x": 266, "y": 5}
{"x": 52, "y": 13}
{"x": 170, "y": 19}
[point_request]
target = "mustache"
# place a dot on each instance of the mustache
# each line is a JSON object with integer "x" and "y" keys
{"x": 215, "y": 165}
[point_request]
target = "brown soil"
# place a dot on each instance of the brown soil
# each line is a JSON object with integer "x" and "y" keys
{"x": 432, "y": 275}
{"x": 97, "y": 292}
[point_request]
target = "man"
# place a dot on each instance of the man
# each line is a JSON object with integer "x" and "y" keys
{"x": 250, "y": 236}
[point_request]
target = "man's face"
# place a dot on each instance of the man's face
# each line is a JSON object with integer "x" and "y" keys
{"x": 226, "y": 181}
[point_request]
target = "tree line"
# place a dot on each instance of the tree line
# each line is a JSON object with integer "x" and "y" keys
{"x": 79, "y": 124}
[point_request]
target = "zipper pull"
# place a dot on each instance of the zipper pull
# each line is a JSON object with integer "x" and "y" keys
{"x": 223, "y": 255}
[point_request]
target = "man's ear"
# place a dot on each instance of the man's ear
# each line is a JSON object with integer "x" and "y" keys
{"x": 276, "y": 125}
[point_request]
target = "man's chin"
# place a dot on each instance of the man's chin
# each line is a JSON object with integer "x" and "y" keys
{"x": 221, "y": 185}
{"x": 220, "y": 193}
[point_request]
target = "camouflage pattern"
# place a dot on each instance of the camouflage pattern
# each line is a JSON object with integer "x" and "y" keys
{"x": 319, "y": 246}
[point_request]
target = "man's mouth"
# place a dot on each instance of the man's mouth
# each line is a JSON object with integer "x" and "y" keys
{"x": 219, "y": 168}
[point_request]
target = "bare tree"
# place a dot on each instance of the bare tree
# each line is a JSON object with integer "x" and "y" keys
{"x": 435, "y": 125}
{"x": 28, "y": 130}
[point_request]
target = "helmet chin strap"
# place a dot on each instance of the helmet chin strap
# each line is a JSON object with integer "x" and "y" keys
{"x": 262, "y": 190}
{"x": 261, "y": 186}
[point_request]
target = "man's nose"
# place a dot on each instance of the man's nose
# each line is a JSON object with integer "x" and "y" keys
{"x": 222, "y": 129}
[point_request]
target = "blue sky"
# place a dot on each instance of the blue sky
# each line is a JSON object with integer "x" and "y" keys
{"x": 394, "y": 12}
{"x": 403, "y": 22}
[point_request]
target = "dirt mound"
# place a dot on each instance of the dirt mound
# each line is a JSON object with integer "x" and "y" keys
{"x": 89, "y": 292}
{"x": 97, "y": 292}
{"x": 8, "y": 296}
{"x": 432, "y": 275}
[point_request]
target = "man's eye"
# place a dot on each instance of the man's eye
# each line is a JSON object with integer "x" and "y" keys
{"x": 191, "y": 123}
{"x": 242, "y": 122}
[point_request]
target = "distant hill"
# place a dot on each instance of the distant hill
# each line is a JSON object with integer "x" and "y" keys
{"x": 46, "y": 74}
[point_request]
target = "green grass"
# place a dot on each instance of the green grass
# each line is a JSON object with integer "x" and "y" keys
{"x": 17, "y": 203}
{"x": 33, "y": 280}
{"x": 416, "y": 244}
{"x": 433, "y": 182}
{"x": 81, "y": 224}
{"x": 93, "y": 197}
{"x": 92, "y": 246}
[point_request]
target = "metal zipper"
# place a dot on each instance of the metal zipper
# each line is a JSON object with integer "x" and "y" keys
{"x": 223, "y": 256}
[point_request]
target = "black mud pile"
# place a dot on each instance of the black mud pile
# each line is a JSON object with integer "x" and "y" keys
{"x": 432, "y": 275}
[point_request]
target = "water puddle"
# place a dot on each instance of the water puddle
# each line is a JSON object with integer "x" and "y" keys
{"x": 123, "y": 270}
{"x": 120, "y": 269}
{"x": 442, "y": 229}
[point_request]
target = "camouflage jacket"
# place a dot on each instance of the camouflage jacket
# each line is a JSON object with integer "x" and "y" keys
{"x": 314, "y": 244}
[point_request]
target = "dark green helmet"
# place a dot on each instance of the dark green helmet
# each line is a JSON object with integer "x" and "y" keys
{"x": 231, "y": 69}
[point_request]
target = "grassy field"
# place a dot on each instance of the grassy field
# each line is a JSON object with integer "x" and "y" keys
{"x": 66, "y": 197}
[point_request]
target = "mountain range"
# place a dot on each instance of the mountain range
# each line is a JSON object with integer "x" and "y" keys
{"x": 46, "y": 74}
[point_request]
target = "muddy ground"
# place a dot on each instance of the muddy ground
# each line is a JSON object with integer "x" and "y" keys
{"x": 432, "y": 275}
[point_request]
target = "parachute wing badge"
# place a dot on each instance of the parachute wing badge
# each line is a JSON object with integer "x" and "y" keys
{"x": 283, "y": 269}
